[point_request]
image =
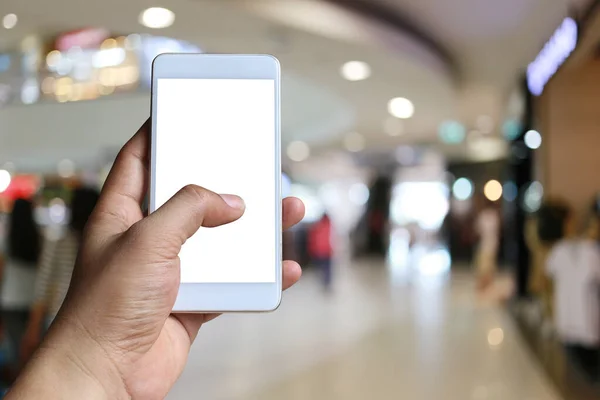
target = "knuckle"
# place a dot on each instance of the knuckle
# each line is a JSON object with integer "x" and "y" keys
{"x": 195, "y": 193}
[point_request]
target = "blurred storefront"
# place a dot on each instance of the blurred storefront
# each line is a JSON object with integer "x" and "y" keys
{"x": 74, "y": 66}
{"x": 81, "y": 65}
{"x": 565, "y": 83}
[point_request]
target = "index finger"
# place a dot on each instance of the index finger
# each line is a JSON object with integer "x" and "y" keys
{"x": 119, "y": 206}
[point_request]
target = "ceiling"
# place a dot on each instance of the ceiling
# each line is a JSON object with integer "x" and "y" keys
{"x": 486, "y": 45}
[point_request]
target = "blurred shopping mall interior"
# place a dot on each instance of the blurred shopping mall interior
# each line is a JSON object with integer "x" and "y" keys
{"x": 443, "y": 146}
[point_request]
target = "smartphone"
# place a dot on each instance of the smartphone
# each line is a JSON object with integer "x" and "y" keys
{"x": 216, "y": 124}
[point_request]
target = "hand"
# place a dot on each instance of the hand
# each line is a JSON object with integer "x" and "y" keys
{"x": 115, "y": 333}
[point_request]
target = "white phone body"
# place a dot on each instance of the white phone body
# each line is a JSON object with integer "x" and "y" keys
{"x": 216, "y": 124}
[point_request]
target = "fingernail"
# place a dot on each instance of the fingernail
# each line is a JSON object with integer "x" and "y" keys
{"x": 233, "y": 201}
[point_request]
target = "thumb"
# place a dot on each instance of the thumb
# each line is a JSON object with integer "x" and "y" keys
{"x": 191, "y": 208}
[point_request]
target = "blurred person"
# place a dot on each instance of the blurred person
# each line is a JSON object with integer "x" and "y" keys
{"x": 55, "y": 270}
{"x": 542, "y": 232}
{"x": 18, "y": 260}
{"x": 487, "y": 228}
{"x": 115, "y": 336}
{"x": 321, "y": 249}
{"x": 574, "y": 266}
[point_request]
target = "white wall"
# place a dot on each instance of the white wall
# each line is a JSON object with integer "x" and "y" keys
{"x": 36, "y": 137}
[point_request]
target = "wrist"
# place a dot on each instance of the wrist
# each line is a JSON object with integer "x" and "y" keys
{"x": 69, "y": 367}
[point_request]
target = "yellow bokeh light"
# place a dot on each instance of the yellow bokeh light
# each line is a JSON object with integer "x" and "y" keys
{"x": 108, "y": 77}
{"x": 495, "y": 337}
{"x": 53, "y": 58}
{"x": 493, "y": 190}
{"x": 109, "y": 44}
{"x": 77, "y": 92}
{"x": 127, "y": 75}
{"x": 63, "y": 89}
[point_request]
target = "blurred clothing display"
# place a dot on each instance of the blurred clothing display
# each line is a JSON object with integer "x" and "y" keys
{"x": 574, "y": 265}
{"x": 541, "y": 233}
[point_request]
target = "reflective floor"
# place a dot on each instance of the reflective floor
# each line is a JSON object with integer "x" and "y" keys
{"x": 377, "y": 335}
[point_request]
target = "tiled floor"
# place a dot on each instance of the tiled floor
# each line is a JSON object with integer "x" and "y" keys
{"x": 421, "y": 337}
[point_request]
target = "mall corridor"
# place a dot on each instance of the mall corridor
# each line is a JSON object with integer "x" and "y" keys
{"x": 377, "y": 335}
{"x": 433, "y": 160}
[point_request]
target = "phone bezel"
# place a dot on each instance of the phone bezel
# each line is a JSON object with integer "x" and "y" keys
{"x": 224, "y": 297}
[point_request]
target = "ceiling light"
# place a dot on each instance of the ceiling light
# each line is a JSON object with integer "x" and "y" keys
{"x": 356, "y": 71}
{"x": 9, "y": 21}
{"x": 400, "y": 107}
{"x": 298, "y": 151}
{"x": 157, "y": 18}
{"x": 354, "y": 142}
{"x": 533, "y": 139}
{"x": 393, "y": 127}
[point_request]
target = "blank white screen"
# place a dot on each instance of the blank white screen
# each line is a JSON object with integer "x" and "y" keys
{"x": 220, "y": 134}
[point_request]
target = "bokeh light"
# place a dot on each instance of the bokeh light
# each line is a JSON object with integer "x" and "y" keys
{"x": 400, "y": 107}
{"x": 533, "y": 139}
{"x": 66, "y": 168}
{"x": 493, "y": 190}
{"x": 462, "y": 189}
{"x": 298, "y": 151}
{"x": 4, "y": 180}
{"x": 452, "y": 132}
{"x": 57, "y": 211}
{"x": 510, "y": 191}
{"x": 532, "y": 200}
{"x": 157, "y": 18}
{"x": 495, "y": 337}
{"x": 359, "y": 194}
{"x": 10, "y": 21}
{"x": 511, "y": 129}
{"x": 356, "y": 71}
